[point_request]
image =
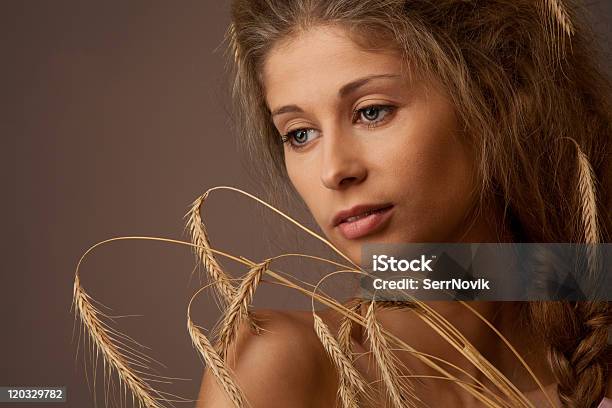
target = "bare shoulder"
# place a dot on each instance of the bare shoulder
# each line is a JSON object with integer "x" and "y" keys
{"x": 284, "y": 365}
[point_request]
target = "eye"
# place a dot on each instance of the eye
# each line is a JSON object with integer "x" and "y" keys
{"x": 298, "y": 138}
{"x": 373, "y": 115}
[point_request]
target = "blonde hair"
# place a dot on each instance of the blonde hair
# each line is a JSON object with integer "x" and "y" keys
{"x": 533, "y": 104}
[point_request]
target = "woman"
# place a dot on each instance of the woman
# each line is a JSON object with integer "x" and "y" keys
{"x": 427, "y": 121}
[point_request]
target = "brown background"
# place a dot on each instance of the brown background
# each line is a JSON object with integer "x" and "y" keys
{"x": 114, "y": 118}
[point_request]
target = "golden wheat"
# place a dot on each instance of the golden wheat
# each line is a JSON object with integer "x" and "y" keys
{"x": 199, "y": 237}
{"x": 586, "y": 185}
{"x": 560, "y": 15}
{"x": 387, "y": 364}
{"x": 215, "y": 364}
{"x": 351, "y": 382}
{"x": 346, "y": 326}
{"x": 116, "y": 356}
{"x": 383, "y": 344}
{"x": 238, "y": 309}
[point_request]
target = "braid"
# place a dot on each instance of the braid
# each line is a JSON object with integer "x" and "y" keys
{"x": 577, "y": 332}
{"x": 577, "y": 335}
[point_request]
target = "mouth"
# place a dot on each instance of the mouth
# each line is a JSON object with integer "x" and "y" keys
{"x": 362, "y": 220}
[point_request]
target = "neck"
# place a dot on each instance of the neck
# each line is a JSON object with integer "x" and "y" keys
{"x": 505, "y": 319}
{"x": 410, "y": 326}
{"x": 482, "y": 324}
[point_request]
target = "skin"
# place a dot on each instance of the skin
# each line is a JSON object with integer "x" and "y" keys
{"x": 410, "y": 155}
{"x": 407, "y": 150}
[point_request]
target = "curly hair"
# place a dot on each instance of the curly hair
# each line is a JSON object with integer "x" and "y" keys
{"x": 533, "y": 103}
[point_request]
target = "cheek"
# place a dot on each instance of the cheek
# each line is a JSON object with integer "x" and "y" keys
{"x": 447, "y": 186}
{"x": 451, "y": 165}
{"x": 303, "y": 175}
{"x": 447, "y": 177}
{"x": 433, "y": 171}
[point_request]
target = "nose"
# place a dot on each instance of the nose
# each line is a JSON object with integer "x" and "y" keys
{"x": 342, "y": 162}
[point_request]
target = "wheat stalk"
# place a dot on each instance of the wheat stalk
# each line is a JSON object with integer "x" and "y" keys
{"x": 286, "y": 217}
{"x": 558, "y": 25}
{"x": 115, "y": 354}
{"x": 199, "y": 237}
{"x": 588, "y": 201}
{"x": 351, "y": 382}
{"x": 233, "y": 42}
{"x": 559, "y": 13}
{"x": 587, "y": 192}
{"x": 586, "y": 186}
{"x": 478, "y": 391}
{"x": 456, "y": 339}
{"x": 238, "y": 310}
{"x": 346, "y": 326}
{"x": 215, "y": 364}
{"x": 379, "y": 338}
{"x": 385, "y": 359}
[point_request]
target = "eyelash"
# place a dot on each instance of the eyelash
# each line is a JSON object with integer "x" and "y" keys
{"x": 389, "y": 109}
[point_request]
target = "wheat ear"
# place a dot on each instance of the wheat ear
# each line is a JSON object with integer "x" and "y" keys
{"x": 238, "y": 310}
{"x": 587, "y": 191}
{"x": 559, "y": 13}
{"x": 558, "y": 25}
{"x": 212, "y": 360}
{"x": 588, "y": 195}
{"x": 346, "y": 326}
{"x": 588, "y": 203}
{"x": 385, "y": 359}
{"x": 199, "y": 237}
{"x": 351, "y": 382}
{"x": 116, "y": 355}
{"x": 233, "y": 43}
{"x": 215, "y": 364}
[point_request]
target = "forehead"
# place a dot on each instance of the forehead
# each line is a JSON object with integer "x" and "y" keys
{"x": 317, "y": 62}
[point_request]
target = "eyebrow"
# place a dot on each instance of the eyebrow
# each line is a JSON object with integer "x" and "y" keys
{"x": 358, "y": 83}
{"x": 345, "y": 90}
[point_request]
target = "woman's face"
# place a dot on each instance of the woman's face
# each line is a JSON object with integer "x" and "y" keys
{"x": 376, "y": 158}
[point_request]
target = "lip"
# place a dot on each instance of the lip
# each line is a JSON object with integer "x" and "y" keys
{"x": 364, "y": 225}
